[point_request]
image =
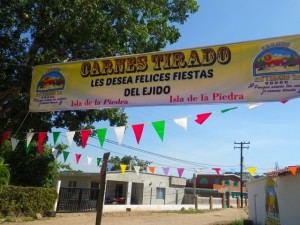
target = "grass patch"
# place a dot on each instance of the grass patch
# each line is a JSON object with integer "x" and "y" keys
{"x": 13, "y": 219}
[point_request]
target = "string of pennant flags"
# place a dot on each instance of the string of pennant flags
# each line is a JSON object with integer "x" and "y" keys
{"x": 138, "y": 129}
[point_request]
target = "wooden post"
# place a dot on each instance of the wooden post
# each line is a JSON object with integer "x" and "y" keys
{"x": 102, "y": 189}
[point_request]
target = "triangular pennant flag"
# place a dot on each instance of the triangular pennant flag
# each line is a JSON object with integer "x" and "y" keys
{"x": 14, "y": 143}
{"x": 65, "y": 154}
{"x": 229, "y": 109}
{"x": 166, "y": 170}
{"x": 29, "y": 137}
{"x": 254, "y": 105}
{"x": 28, "y": 148}
{"x": 70, "y": 136}
{"x": 202, "y": 117}
{"x": 55, "y": 136}
{"x": 89, "y": 160}
{"x": 109, "y": 166}
{"x": 119, "y": 131}
{"x": 251, "y": 170}
{"x": 42, "y": 136}
{"x": 284, "y": 101}
{"x": 54, "y": 152}
{"x": 138, "y": 130}
{"x": 151, "y": 168}
{"x": 182, "y": 122}
{"x": 99, "y": 161}
{"x": 180, "y": 171}
{"x": 77, "y": 157}
{"x": 159, "y": 127}
{"x": 217, "y": 170}
{"x": 84, "y": 137}
{"x": 293, "y": 169}
{"x": 101, "y": 133}
{"x": 5, "y": 135}
{"x": 137, "y": 169}
{"x": 123, "y": 168}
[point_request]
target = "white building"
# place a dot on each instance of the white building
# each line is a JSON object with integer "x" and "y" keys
{"x": 275, "y": 199}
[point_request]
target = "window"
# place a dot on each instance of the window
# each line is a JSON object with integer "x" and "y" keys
{"x": 119, "y": 191}
{"x": 160, "y": 193}
{"x": 226, "y": 182}
{"x": 235, "y": 183}
{"x": 217, "y": 181}
{"x": 72, "y": 184}
{"x": 203, "y": 181}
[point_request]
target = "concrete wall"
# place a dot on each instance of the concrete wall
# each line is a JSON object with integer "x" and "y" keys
{"x": 287, "y": 189}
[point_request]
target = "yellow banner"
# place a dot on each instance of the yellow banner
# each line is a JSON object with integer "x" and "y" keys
{"x": 256, "y": 71}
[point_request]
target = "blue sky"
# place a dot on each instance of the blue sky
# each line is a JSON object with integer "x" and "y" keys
{"x": 272, "y": 128}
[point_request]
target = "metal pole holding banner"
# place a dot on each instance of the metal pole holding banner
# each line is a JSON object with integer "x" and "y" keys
{"x": 102, "y": 188}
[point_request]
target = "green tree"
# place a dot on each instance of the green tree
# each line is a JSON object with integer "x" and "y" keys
{"x": 128, "y": 161}
{"x": 42, "y": 32}
{"x": 4, "y": 174}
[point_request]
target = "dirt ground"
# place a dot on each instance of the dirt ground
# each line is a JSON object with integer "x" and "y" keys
{"x": 213, "y": 217}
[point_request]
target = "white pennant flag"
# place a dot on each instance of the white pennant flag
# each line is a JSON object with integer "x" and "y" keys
{"x": 54, "y": 152}
{"x": 120, "y": 133}
{"x": 254, "y": 105}
{"x": 29, "y": 138}
{"x": 14, "y": 143}
{"x": 70, "y": 136}
{"x": 182, "y": 122}
{"x": 89, "y": 160}
{"x": 137, "y": 169}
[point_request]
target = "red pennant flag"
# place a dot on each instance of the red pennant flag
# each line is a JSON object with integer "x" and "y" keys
{"x": 151, "y": 168}
{"x": 217, "y": 170}
{"x": 84, "y": 137}
{"x": 77, "y": 157}
{"x": 138, "y": 130}
{"x": 5, "y": 135}
{"x": 293, "y": 169}
{"x": 202, "y": 117}
{"x": 42, "y": 136}
{"x": 284, "y": 101}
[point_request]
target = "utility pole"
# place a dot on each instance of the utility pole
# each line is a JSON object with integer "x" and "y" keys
{"x": 241, "y": 147}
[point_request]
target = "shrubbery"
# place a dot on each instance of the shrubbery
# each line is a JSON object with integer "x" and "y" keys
{"x": 26, "y": 201}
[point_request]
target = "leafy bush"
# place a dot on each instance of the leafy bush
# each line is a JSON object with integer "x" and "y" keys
{"x": 26, "y": 201}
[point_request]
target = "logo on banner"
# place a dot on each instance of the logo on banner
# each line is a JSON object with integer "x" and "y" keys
{"x": 50, "y": 88}
{"x": 52, "y": 81}
{"x": 276, "y": 69}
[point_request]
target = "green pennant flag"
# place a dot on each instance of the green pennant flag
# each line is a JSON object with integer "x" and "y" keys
{"x": 28, "y": 148}
{"x": 55, "y": 136}
{"x": 99, "y": 161}
{"x": 101, "y": 135}
{"x": 66, "y": 154}
{"x": 159, "y": 126}
{"x": 226, "y": 110}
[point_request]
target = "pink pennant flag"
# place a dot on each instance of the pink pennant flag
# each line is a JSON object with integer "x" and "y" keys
{"x": 166, "y": 170}
{"x": 151, "y": 168}
{"x": 5, "y": 135}
{"x": 202, "y": 117}
{"x": 293, "y": 169}
{"x": 180, "y": 171}
{"x": 284, "y": 101}
{"x": 84, "y": 137}
{"x": 42, "y": 136}
{"x": 77, "y": 156}
{"x": 138, "y": 130}
{"x": 217, "y": 170}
